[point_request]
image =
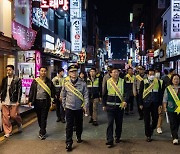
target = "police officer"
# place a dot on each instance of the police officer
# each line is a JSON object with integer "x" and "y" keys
{"x": 74, "y": 96}
{"x": 114, "y": 103}
{"x": 129, "y": 80}
{"x": 94, "y": 89}
{"x": 150, "y": 99}
{"x": 136, "y": 85}
{"x": 58, "y": 82}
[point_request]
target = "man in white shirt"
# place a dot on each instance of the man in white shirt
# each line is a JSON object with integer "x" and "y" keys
{"x": 11, "y": 91}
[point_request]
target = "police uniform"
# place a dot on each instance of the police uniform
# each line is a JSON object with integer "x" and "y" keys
{"x": 129, "y": 80}
{"x": 58, "y": 82}
{"x": 94, "y": 89}
{"x": 113, "y": 103}
{"x": 150, "y": 98}
{"x": 74, "y": 96}
{"x": 136, "y": 86}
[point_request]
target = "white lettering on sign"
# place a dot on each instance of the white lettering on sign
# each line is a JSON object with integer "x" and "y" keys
{"x": 55, "y": 4}
{"x": 175, "y": 19}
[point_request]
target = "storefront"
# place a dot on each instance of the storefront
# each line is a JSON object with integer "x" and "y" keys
{"x": 173, "y": 54}
{"x": 28, "y": 65}
{"x": 7, "y": 56}
{"x": 55, "y": 52}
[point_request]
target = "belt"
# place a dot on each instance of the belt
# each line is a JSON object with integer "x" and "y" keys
{"x": 113, "y": 103}
{"x": 41, "y": 100}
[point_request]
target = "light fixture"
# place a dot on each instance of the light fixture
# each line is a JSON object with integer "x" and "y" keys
{"x": 155, "y": 39}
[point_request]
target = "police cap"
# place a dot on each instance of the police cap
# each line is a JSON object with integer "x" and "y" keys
{"x": 72, "y": 68}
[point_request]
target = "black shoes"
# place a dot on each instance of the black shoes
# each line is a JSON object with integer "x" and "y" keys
{"x": 69, "y": 147}
{"x": 117, "y": 140}
{"x": 95, "y": 123}
{"x": 79, "y": 140}
{"x": 63, "y": 121}
{"x": 110, "y": 144}
{"x": 91, "y": 120}
{"x": 148, "y": 139}
{"x": 58, "y": 120}
{"x": 141, "y": 118}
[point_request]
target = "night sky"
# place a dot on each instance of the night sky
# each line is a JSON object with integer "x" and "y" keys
{"x": 113, "y": 16}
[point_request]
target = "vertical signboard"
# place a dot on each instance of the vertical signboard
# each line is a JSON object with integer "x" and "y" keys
{"x": 76, "y": 35}
{"x": 23, "y": 12}
{"x": 76, "y": 25}
{"x": 175, "y": 19}
{"x": 166, "y": 26}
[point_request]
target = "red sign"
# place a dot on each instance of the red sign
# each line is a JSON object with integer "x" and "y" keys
{"x": 45, "y": 4}
{"x": 25, "y": 36}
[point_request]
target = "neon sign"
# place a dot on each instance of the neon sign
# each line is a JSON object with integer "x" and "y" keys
{"x": 45, "y": 4}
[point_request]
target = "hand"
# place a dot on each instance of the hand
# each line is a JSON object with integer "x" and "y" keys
{"x": 17, "y": 103}
{"x": 141, "y": 107}
{"x": 100, "y": 99}
{"x": 30, "y": 104}
{"x": 104, "y": 108}
{"x": 124, "y": 104}
{"x": 165, "y": 109}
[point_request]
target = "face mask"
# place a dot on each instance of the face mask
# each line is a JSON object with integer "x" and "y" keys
{"x": 151, "y": 77}
{"x": 157, "y": 75}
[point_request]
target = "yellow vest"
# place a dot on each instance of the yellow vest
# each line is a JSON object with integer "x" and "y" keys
{"x": 90, "y": 83}
{"x": 120, "y": 85}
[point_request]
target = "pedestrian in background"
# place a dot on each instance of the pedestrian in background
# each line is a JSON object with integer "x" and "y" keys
{"x": 136, "y": 86}
{"x": 160, "y": 109}
{"x": 129, "y": 80}
{"x": 41, "y": 95}
{"x": 83, "y": 76}
{"x": 58, "y": 83}
{"x": 95, "y": 94}
{"x": 171, "y": 104}
{"x": 11, "y": 91}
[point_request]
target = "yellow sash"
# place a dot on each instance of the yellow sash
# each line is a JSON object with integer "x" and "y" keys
{"x": 130, "y": 78}
{"x": 169, "y": 75}
{"x": 113, "y": 84}
{"x": 139, "y": 77}
{"x": 147, "y": 90}
{"x": 43, "y": 85}
{"x": 175, "y": 97}
{"x": 75, "y": 92}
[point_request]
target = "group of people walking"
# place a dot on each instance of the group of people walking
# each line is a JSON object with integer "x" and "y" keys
{"x": 80, "y": 94}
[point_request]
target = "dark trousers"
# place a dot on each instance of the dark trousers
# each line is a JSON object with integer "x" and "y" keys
{"x": 73, "y": 117}
{"x": 59, "y": 109}
{"x": 42, "y": 109}
{"x": 140, "y": 111}
{"x": 117, "y": 116}
{"x": 130, "y": 104}
{"x": 174, "y": 120}
{"x": 150, "y": 112}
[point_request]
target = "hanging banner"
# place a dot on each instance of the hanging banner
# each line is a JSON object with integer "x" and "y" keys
{"x": 22, "y": 9}
{"x": 25, "y": 36}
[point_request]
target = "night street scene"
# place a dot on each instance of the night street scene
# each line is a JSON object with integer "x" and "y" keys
{"x": 89, "y": 76}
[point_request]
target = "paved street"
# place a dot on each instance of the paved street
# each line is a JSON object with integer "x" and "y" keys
{"x": 94, "y": 139}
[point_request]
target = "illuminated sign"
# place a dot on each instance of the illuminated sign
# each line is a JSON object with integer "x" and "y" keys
{"x": 38, "y": 63}
{"x": 76, "y": 35}
{"x": 25, "y": 36}
{"x": 82, "y": 57}
{"x": 45, "y": 4}
{"x": 40, "y": 18}
{"x": 175, "y": 19}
